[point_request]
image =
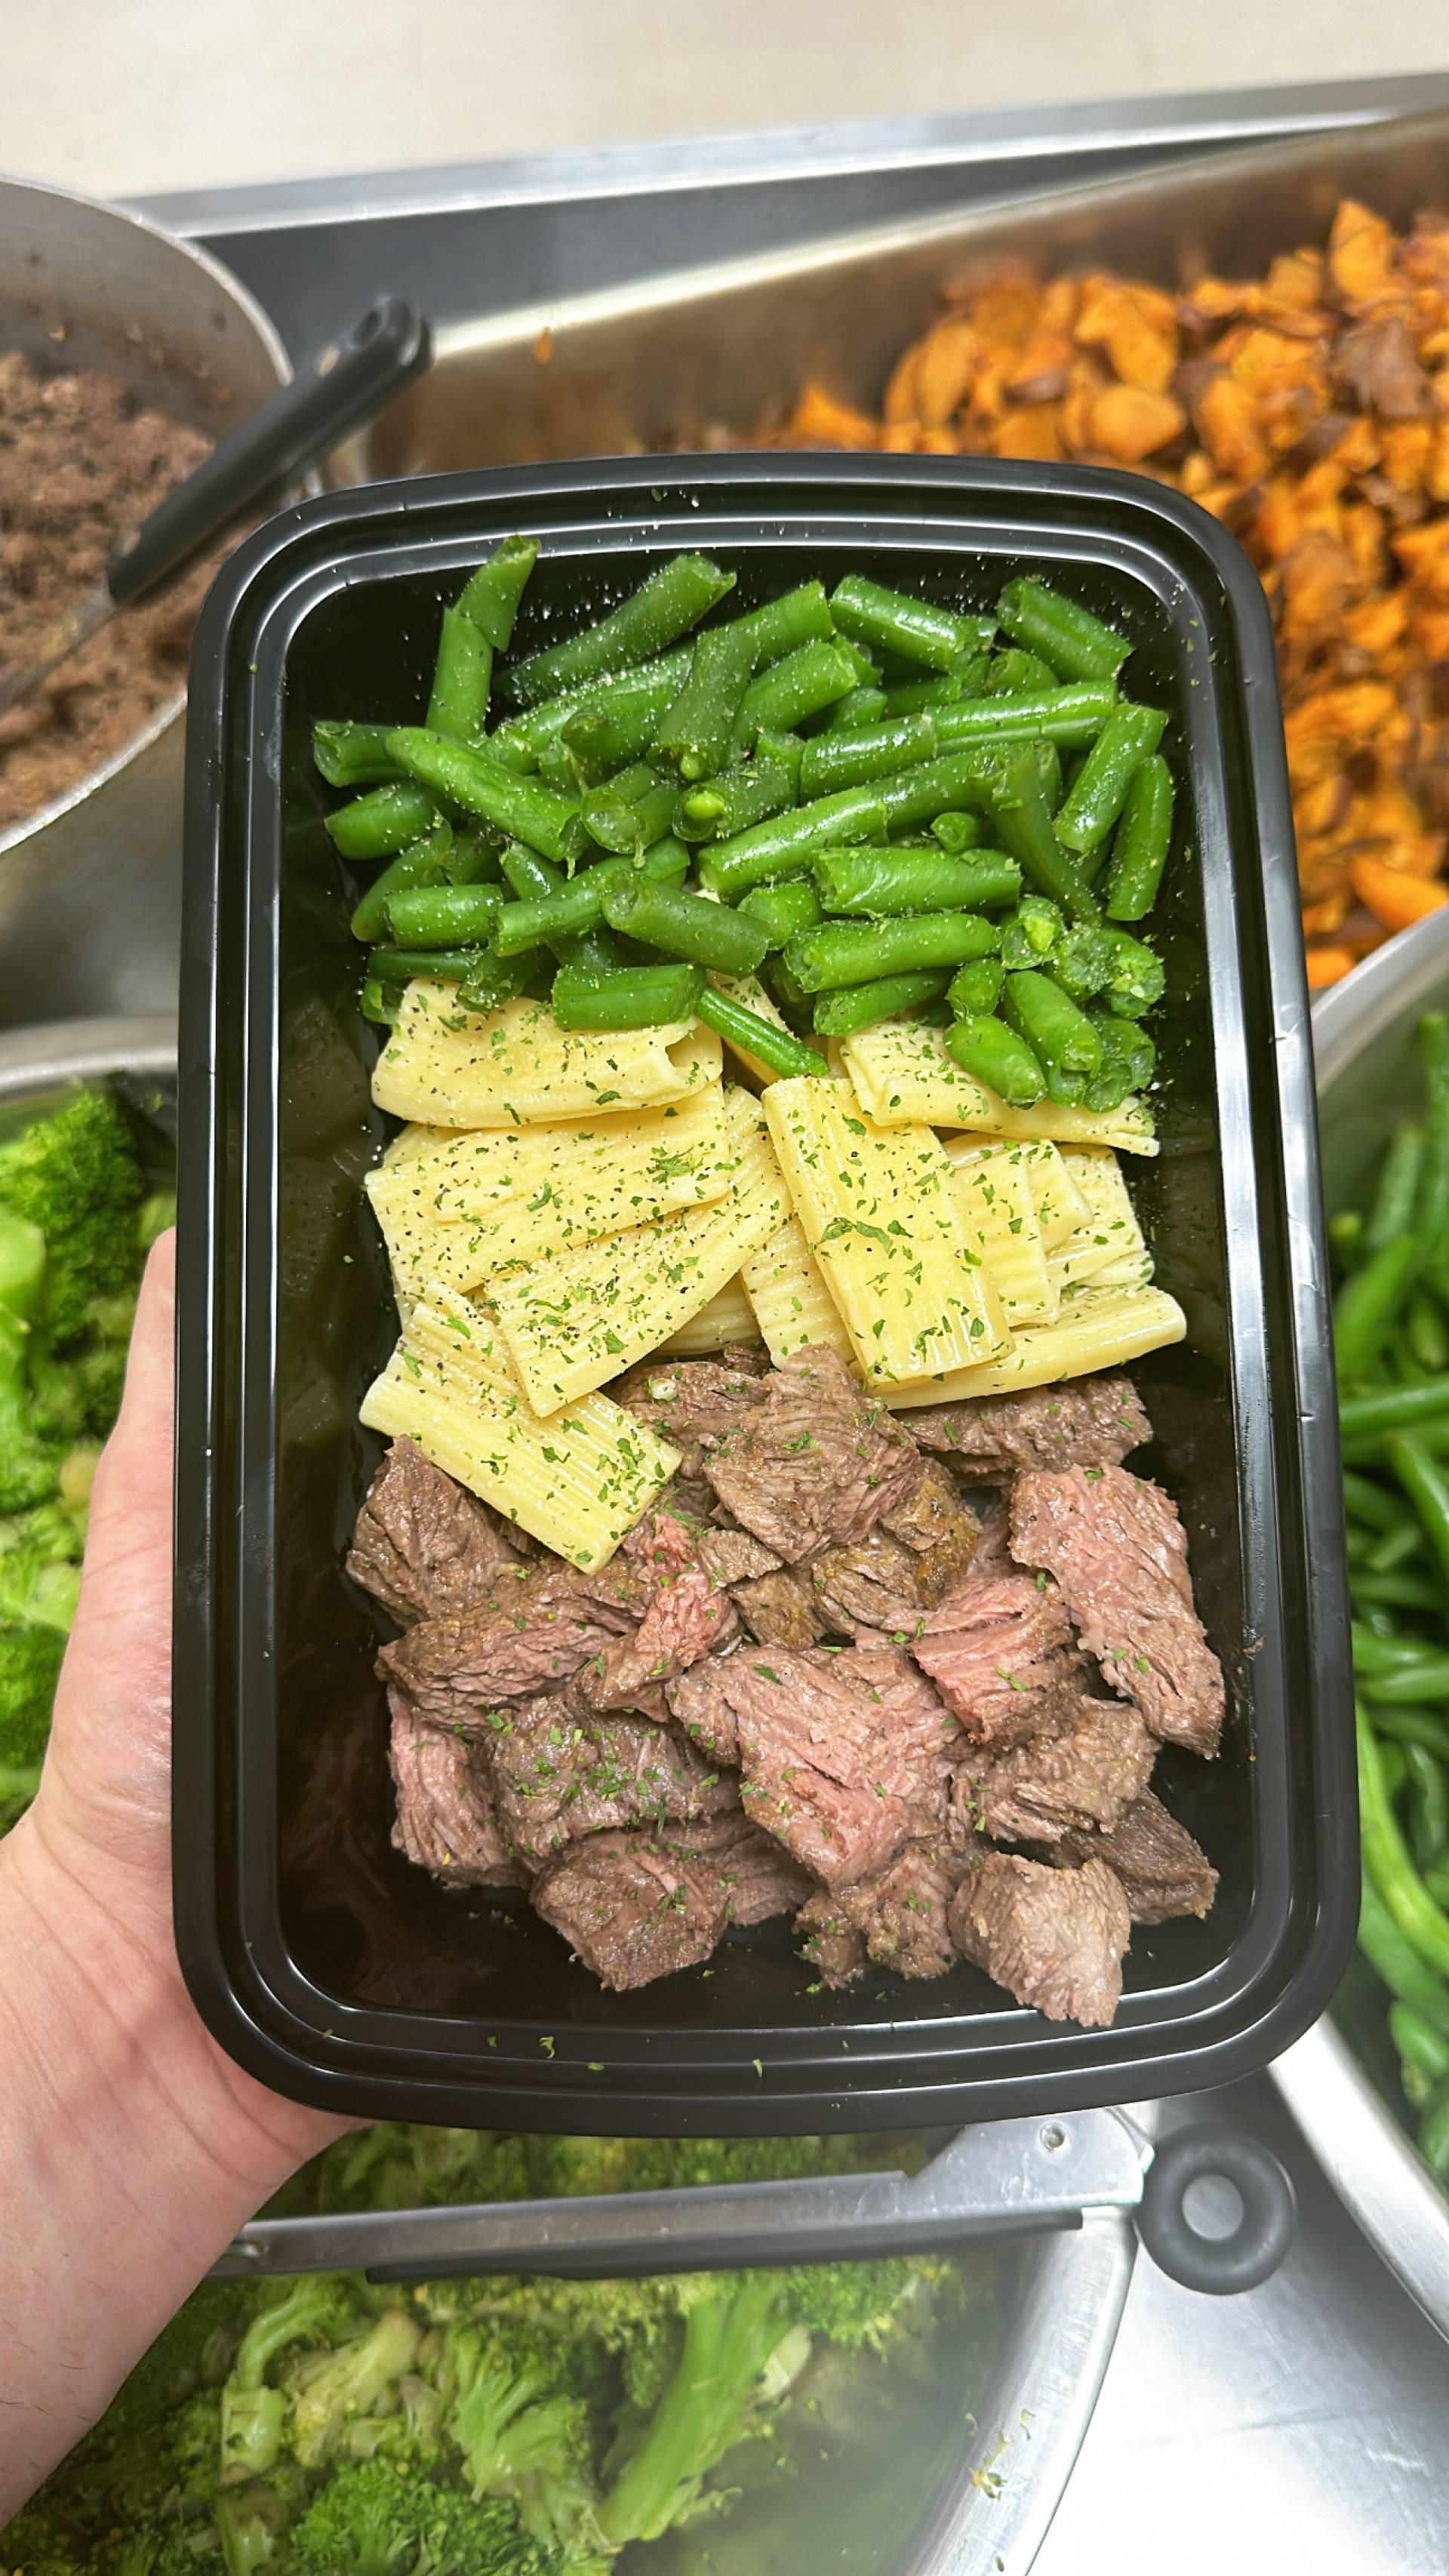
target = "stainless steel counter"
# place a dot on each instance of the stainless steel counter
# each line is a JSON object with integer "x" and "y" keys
{"x": 1302, "y": 2425}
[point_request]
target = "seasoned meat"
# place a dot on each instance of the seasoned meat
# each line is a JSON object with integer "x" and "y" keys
{"x": 445, "y": 1820}
{"x": 871, "y": 1585}
{"x": 939, "y": 1528}
{"x": 757, "y": 1874}
{"x": 422, "y": 1544}
{"x": 732, "y": 1556}
{"x": 781, "y": 1609}
{"x": 559, "y": 1772}
{"x": 1054, "y": 1938}
{"x": 842, "y": 1756}
{"x": 1163, "y": 1871}
{"x": 699, "y": 1701}
{"x": 693, "y": 1403}
{"x": 639, "y": 1905}
{"x": 899, "y": 1919}
{"x": 686, "y": 1614}
{"x": 999, "y": 1648}
{"x": 817, "y": 1463}
{"x": 1090, "y": 1422}
{"x": 530, "y": 1631}
{"x": 1117, "y": 1548}
{"x": 1083, "y": 1770}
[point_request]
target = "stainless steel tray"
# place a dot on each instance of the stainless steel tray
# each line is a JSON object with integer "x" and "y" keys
{"x": 673, "y": 361}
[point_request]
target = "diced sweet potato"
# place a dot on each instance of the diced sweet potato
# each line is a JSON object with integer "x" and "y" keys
{"x": 1130, "y": 424}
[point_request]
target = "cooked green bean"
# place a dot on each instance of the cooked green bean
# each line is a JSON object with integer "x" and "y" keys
{"x": 694, "y": 736}
{"x": 847, "y": 758}
{"x": 889, "y": 880}
{"x": 1426, "y": 1680}
{"x": 719, "y": 808}
{"x": 1396, "y": 1196}
{"x": 887, "y": 621}
{"x": 1427, "y": 1332}
{"x": 375, "y": 826}
{"x": 427, "y": 863}
{"x": 863, "y": 706}
{"x": 1060, "y": 1036}
{"x": 686, "y": 926}
{"x": 1369, "y": 1302}
{"x": 1395, "y": 1546}
{"x": 1070, "y": 638}
{"x": 975, "y": 989}
{"x": 785, "y": 844}
{"x": 563, "y": 909}
{"x": 1388, "y": 1863}
{"x": 957, "y": 832}
{"x": 1423, "y": 1480}
{"x": 491, "y": 980}
{"x": 1367, "y": 1501}
{"x": 633, "y": 997}
{"x": 1012, "y": 673}
{"x": 1137, "y": 978}
{"x": 860, "y": 952}
{"x": 966, "y": 679}
{"x": 1376, "y": 1655}
{"x": 1415, "y": 1725}
{"x": 783, "y": 1053}
{"x": 352, "y": 755}
{"x": 1396, "y": 1591}
{"x": 782, "y": 625}
{"x": 782, "y": 909}
{"x": 1428, "y": 1804}
{"x": 1397, "y": 1408}
{"x": 631, "y": 813}
{"x": 603, "y": 725}
{"x": 400, "y": 965}
{"x": 462, "y": 679}
{"x": 1083, "y": 960}
{"x": 1397, "y": 1961}
{"x": 482, "y": 786}
{"x": 1141, "y": 843}
{"x": 380, "y": 1002}
{"x": 1024, "y": 827}
{"x": 666, "y": 606}
{"x": 994, "y": 1055}
{"x": 1346, "y": 1236}
{"x": 863, "y": 1006}
{"x": 1423, "y": 2047}
{"x": 443, "y": 916}
{"x": 490, "y": 601}
{"x": 1031, "y": 932}
{"x": 815, "y": 675}
{"x": 1128, "y": 737}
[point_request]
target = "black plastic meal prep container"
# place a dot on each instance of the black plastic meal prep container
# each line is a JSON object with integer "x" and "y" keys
{"x": 321, "y": 1959}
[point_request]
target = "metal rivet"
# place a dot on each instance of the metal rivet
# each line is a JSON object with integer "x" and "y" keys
{"x": 1053, "y": 2139}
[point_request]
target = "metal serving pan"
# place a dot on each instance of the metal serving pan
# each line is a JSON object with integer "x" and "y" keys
{"x": 684, "y": 359}
{"x": 1363, "y": 1041}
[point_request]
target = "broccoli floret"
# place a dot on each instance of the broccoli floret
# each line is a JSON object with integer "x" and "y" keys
{"x": 194, "y": 2352}
{"x": 742, "y": 2349}
{"x": 252, "y": 2523}
{"x": 77, "y": 1176}
{"x": 253, "y": 2412}
{"x": 521, "y": 2437}
{"x": 330, "y": 2389}
{"x": 383, "y": 2515}
{"x": 29, "y": 1456}
{"x": 156, "y": 1212}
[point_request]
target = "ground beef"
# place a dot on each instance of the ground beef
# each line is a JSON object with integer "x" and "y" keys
{"x": 1164, "y": 1873}
{"x": 445, "y": 1819}
{"x": 557, "y": 1772}
{"x": 1054, "y": 1938}
{"x": 1082, "y": 1771}
{"x": 781, "y": 1609}
{"x": 1090, "y": 1422}
{"x": 640, "y": 1905}
{"x": 899, "y": 1920}
{"x": 529, "y": 1632}
{"x": 999, "y": 1648}
{"x": 693, "y": 1403}
{"x": 816, "y": 1464}
{"x": 1117, "y": 1548}
{"x": 80, "y": 465}
{"x": 423, "y": 1545}
{"x": 842, "y": 1756}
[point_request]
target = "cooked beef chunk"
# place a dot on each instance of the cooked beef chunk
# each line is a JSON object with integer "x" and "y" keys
{"x": 1118, "y": 1550}
{"x": 699, "y": 1700}
{"x": 999, "y": 1647}
{"x": 559, "y": 1772}
{"x": 1163, "y": 1871}
{"x": 817, "y": 1463}
{"x": 871, "y": 1586}
{"x": 693, "y": 1403}
{"x": 1089, "y": 1422}
{"x": 781, "y": 1609}
{"x": 1083, "y": 1770}
{"x": 445, "y": 1820}
{"x": 686, "y": 1614}
{"x": 939, "y": 1528}
{"x": 899, "y": 1919}
{"x": 640, "y": 1905}
{"x": 1053, "y": 1937}
{"x": 422, "y": 1544}
{"x": 529, "y": 1631}
{"x": 732, "y": 1556}
{"x": 843, "y": 1756}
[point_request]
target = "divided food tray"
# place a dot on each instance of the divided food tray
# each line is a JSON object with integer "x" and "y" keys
{"x": 319, "y": 1957}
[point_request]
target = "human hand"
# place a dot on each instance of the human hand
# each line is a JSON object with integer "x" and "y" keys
{"x": 131, "y": 2148}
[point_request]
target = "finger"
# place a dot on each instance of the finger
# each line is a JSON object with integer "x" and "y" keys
{"x": 131, "y": 1502}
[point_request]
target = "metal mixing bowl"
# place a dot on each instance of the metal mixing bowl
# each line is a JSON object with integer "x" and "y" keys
{"x": 90, "y": 883}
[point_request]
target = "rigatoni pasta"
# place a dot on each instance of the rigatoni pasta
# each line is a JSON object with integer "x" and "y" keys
{"x": 792, "y": 1306}
{"x": 1097, "y": 1328}
{"x": 515, "y": 1067}
{"x": 903, "y": 1074}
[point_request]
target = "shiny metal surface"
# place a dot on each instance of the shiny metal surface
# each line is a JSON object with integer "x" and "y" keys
{"x": 89, "y": 885}
{"x": 670, "y": 361}
{"x": 41, "y": 1057}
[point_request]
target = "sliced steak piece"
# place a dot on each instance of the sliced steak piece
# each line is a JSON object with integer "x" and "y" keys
{"x": 1163, "y": 1871}
{"x": 759, "y": 1878}
{"x": 939, "y": 1528}
{"x": 873, "y": 1586}
{"x": 693, "y": 1404}
{"x": 1119, "y": 1552}
{"x": 999, "y": 1648}
{"x": 1082, "y": 1771}
{"x": 1090, "y": 1422}
{"x": 423, "y": 1544}
{"x": 445, "y": 1820}
{"x": 636, "y": 1906}
{"x": 899, "y": 1919}
{"x": 781, "y": 1609}
{"x": 843, "y": 1756}
{"x": 559, "y": 1772}
{"x": 699, "y": 1702}
{"x": 529, "y": 1632}
{"x": 817, "y": 1463}
{"x": 686, "y": 1615}
{"x": 732, "y": 1555}
{"x": 1053, "y": 1937}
